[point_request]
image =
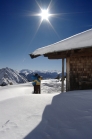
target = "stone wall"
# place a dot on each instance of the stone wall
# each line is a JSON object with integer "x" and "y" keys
{"x": 80, "y": 72}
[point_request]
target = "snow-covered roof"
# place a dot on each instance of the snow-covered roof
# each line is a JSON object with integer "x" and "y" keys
{"x": 78, "y": 41}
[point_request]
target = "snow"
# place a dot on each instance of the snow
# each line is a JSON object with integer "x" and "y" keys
{"x": 80, "y": 40}
{"x": 50, "y": 115}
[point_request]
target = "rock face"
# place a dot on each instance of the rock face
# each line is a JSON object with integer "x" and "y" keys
{"x": 10, "y": 76}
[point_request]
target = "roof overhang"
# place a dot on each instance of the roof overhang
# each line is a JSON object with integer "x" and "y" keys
{"x": 64, "y": 48}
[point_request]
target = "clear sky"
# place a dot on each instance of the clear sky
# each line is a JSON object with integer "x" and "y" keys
{"x": 21, "y": 31}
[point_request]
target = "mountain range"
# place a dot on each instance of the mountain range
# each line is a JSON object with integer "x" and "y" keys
{"x": 45, "y": 74}
{"x": 10, "y": 76}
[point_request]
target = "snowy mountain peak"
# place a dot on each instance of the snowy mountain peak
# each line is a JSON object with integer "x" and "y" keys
{"x": 10, "y": 76}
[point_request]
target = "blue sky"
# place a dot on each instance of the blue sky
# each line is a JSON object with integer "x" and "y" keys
{"x": 20, "y": 35}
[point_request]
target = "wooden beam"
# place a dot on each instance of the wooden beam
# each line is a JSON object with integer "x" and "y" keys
{"x": 69, "y": 53}
{"x": 81, "y": 54}
{"x": 67, "y": 74}
{"x": 59, "y": 54}
{"x": 62, "y": 88}
{"x": 57, "y": 57}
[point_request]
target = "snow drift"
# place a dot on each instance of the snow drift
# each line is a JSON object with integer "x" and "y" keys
{"x": 24, "y": 115}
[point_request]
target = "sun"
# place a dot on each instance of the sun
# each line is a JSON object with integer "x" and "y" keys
{"x": 44, "y": 14}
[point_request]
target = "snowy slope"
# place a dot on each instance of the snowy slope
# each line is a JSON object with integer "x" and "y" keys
{"x": 8, "y": 76}
{"x": 24, "y": 115}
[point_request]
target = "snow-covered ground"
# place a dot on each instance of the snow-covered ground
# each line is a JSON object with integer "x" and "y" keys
{"x": 49, "y": 115}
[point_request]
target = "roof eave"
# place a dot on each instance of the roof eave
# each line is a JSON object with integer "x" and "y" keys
{"x": 34, "y": 56}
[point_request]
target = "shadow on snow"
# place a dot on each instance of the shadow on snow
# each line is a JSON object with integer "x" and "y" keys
{"x": 68, "y": 117}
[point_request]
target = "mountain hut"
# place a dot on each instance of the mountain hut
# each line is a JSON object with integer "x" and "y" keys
{"x": 77, "y": 50}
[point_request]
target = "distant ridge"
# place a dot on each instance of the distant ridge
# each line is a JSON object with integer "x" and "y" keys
{"x": 44, "y": 73}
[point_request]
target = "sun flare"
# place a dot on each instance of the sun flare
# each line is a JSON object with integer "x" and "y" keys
{"x": 44, "y": 14}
